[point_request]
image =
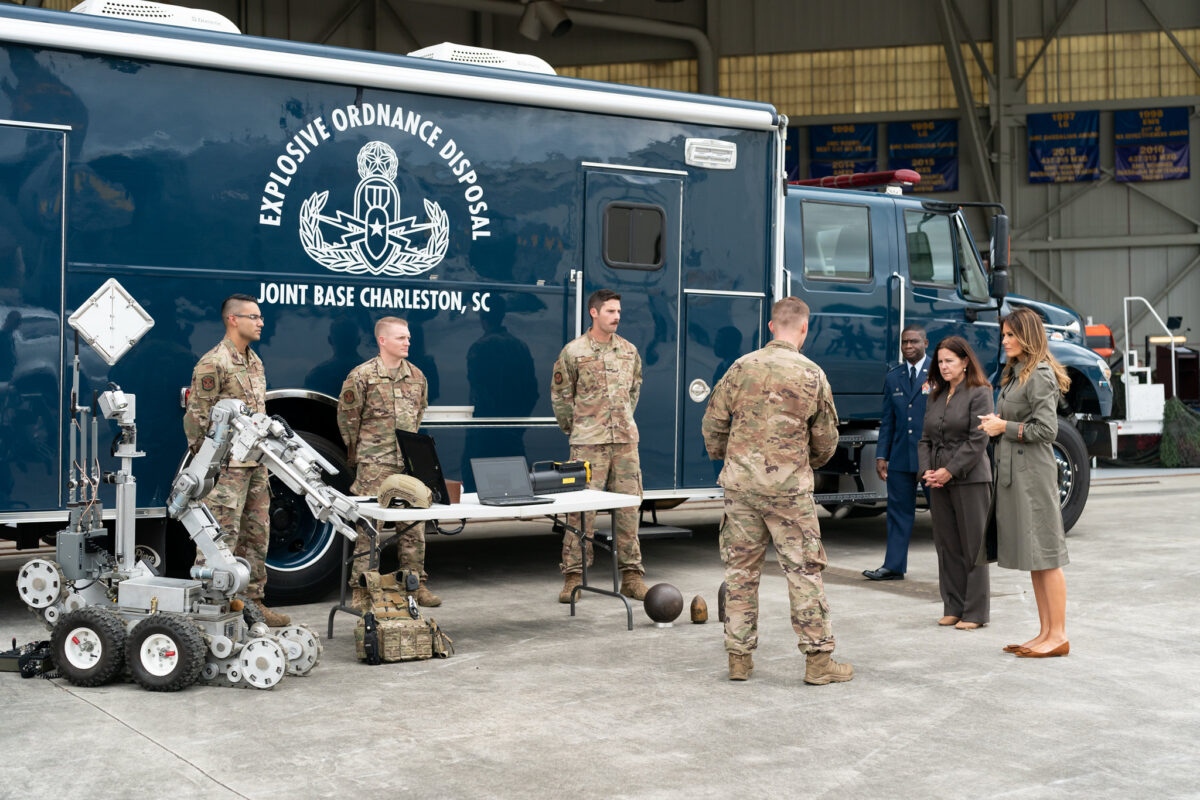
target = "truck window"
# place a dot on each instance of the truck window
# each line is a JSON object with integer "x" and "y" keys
{"x": 974, "y": 284}
{"x": 930, "y": 248}
{"x": 633, "y": 236}
{"x": 837, "y": 241}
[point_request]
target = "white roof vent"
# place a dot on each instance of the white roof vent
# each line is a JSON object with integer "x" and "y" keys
{"x": 157, "y": 12}
{"x": 462, "y": 54}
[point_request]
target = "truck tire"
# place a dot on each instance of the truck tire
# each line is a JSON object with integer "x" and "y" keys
{"x": 1074, "y": 472}
{"x": 304, "y": 556}
{"x": 165, "y": 652}
{"x": 88, "y": 646}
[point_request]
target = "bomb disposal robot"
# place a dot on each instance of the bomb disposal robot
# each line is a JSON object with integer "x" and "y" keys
{"x": 109, "y": 610}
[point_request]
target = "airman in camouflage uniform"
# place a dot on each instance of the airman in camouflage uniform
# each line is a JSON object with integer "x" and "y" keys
{"x": 595, "y": 388}
{"x": 378, "y": 397}
{"x": 241, "y": 499}
{"x": 771, "y": 418}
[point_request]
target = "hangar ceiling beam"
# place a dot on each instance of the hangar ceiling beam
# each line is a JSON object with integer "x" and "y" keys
{"x": 349, "y": 8}
{"x": 706, "y": 63}
{"x": 975, "y": 51}
{"x": 407, "y": 40}
{"x": 980, "y": 155}
{"x": 1182, "y": 50}
{"x": 1111, "y": 242}
{"x": 1049, "y": 37}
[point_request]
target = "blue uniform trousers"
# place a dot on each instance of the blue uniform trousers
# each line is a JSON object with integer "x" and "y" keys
{"x": 901, "y": 509}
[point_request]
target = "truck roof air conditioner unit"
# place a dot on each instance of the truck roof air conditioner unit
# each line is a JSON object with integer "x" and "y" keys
{"x": 162, "y": 13}
{"x": 462, "y": 54}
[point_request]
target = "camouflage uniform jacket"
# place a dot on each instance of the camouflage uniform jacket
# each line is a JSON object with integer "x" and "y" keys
{"x": 772, "y": 419}
{"x": 223, "y": 373}
{"x": 595, "y": 390}
{"x": 372, "y": 406}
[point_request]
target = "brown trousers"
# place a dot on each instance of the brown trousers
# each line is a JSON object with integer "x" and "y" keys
{"x": 959, "y": 513}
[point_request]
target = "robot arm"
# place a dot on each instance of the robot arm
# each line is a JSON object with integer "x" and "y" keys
{"x": 235, "y": 433}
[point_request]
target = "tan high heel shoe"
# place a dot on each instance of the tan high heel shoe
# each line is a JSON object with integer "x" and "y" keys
{"x": 947, "y": 621}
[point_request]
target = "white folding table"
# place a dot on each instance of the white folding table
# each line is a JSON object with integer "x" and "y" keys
{"x": 471, "y": 510}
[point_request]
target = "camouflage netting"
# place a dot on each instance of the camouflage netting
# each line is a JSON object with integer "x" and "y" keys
{"x": 1181, "y": 436}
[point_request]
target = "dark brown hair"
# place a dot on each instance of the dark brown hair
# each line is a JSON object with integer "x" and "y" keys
{"x": 957, "y": 345}
{"x": 601, "y": 296}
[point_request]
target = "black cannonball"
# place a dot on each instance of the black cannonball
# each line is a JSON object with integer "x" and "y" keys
{"x": 663, "y": 602}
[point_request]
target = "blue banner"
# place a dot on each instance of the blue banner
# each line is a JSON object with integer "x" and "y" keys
{"x": 791, "y": 155}
{"x": 1064, "y": 147}
{"x": 823, "y": 169}
{"x": 929, "y": 147}
{"x": 937, "y": 174}
{"x": 841, "y": 142}
{"x": 1152, "y": 144}
{"x": 920, "y": 139}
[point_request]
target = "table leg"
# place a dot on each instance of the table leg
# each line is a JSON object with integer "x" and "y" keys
{"x": 584, "y": 586}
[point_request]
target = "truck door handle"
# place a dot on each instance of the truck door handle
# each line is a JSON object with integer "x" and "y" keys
{"x": 698, "y": 390}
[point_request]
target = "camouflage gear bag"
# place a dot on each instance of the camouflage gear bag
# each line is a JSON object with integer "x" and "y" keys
{"x": 392, "y": 628}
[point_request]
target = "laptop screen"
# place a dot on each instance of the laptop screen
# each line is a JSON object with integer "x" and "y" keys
{"x": 501, "y": 477}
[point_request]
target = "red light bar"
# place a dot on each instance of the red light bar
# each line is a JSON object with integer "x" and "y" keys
{"x": 859, "y": 180}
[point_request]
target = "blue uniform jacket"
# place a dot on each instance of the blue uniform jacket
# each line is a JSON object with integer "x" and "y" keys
{"x": 903, "y": 416}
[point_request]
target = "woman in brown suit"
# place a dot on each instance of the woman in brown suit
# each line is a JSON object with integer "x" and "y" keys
{"x": 953, "y": 463}
{"x": 1028, "y": 514}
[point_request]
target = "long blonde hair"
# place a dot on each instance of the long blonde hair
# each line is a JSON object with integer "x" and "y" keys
{"x": 1026, "y": 326}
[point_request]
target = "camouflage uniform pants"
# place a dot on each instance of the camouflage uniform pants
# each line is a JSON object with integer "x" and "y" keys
{"x": 410, "y": 545}
{"x": 240, "y": 502}
{"x": 615, "y": 468}
{"x": 790, "y": 523}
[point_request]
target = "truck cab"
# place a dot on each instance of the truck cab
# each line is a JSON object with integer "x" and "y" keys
{"x": 868, "y": 263}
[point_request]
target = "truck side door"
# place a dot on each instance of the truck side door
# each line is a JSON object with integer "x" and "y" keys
{"x": 631, "y": 244}
{"x": 31, "y": 268}
{"x": 840, "y": 257}
{"x": 948, "y": 293}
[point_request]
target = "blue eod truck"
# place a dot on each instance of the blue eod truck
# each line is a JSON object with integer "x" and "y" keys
{"x": 481, "y": 204}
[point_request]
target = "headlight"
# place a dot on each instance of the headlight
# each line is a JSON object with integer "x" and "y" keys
{"x": 1104, "y": 368}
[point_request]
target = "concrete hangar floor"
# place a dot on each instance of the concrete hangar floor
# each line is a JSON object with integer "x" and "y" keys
{"x": 539, "y": 704}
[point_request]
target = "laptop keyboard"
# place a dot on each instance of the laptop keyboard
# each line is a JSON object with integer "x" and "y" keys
{"x": 515, "y": 501}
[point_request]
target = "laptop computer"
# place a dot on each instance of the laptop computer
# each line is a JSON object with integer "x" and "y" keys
{"x": 420, "y": 459}
{"x": 504, "y": 482}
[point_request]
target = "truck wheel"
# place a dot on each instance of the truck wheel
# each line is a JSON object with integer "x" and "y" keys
{"x": 1074, "y": 472}
{"x": 88, "y": 646}
{"x": 304, "y": 555}
{"x": 165, "y": 653}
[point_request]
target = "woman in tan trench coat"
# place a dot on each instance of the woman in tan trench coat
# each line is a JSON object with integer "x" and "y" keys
{"x": 1028, "y": 515}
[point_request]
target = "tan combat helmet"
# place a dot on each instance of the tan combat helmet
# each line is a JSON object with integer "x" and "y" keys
{"x": 404, "y": 491}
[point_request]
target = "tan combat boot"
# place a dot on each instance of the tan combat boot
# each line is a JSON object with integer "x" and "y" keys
{"x": 427, "y": 598}
{"x": 820, "y": 669}
{"x": 273, "y": 618}
{"x": 572, "y": 579}
{"x": 632, "y": 585}
{"x": 741, "y": 666}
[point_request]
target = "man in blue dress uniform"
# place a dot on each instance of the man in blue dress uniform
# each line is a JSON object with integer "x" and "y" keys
{"x": 904, "y": 391}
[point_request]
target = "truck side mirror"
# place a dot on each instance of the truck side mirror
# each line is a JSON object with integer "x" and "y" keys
{"x": 999, "y": 257}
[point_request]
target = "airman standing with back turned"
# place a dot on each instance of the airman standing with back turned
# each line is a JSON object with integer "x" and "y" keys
{"x": 241, "y": 499}
{"x": 379, "y": 397}
{"x": 595, "y": 388}
{"x": 771, "y": 418}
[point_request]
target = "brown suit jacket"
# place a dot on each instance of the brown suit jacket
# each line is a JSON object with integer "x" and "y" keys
{"x": 951, "y": 437}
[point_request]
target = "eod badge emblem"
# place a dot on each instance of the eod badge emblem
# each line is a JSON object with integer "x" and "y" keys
{"x": 380, "y": 235}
